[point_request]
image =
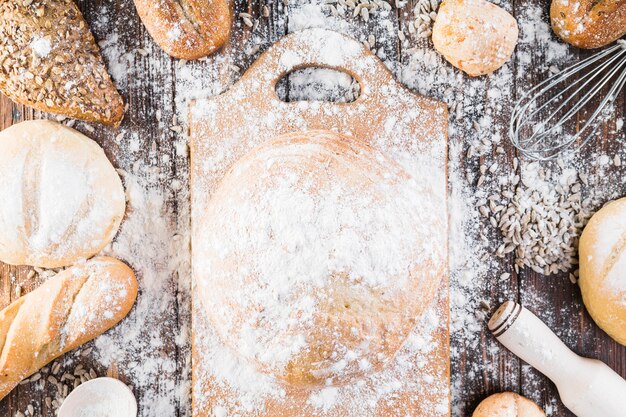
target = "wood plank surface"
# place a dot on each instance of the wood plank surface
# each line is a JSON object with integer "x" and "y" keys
{"x": 155, "y": 88}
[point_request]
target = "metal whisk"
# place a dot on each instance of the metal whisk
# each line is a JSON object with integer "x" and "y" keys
{"x": 542, "y": 116}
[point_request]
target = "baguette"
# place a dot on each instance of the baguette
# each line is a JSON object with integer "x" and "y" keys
{"x": 186, "y": 29}
{"x": 49, "y": 60}
{"x": 589, "y": 23}
{"x": 67, "y": 311}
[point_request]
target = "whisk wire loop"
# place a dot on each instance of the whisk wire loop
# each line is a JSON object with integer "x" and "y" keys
{"x": 541, "y": 115}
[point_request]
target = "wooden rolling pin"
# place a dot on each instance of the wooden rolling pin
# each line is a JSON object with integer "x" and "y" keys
{"x": 588, "y": 387}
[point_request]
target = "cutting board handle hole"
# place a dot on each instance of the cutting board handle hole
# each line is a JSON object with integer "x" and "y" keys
{"x": 318, "y": 84}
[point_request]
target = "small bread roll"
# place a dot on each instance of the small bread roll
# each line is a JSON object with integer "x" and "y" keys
{"x": 187, "y": 29}
{"x": 588, "y": 23}
{"x": 602, "y": 281}
{"x": 60, "y": 198}
{"x": 475, "y": 36}
{"x": 507, "y": 404}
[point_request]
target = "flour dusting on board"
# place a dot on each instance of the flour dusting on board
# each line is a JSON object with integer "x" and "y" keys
{"x": 321, "y": 257}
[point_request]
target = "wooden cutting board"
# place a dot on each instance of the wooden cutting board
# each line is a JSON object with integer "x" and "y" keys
{"x": 409, "y": 129}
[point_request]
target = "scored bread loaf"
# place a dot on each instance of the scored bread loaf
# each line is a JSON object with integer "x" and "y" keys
{"x": 602, "y": 252}
{"x": 49, "y": 60}
{"x": 186, "y": 29}
{"x": 589, "y": 23}
{"x": 508, "y": 404}
{"x": 65, "y": 312}
{"x": 61, "y": 200}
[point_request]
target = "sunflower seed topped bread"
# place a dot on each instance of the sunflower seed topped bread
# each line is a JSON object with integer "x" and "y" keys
{"x": 65, "y": 312}
{"x": 602, "y": 281}
{"x": 49, "y": 60}
{"x": 588, "y": 23}
{"x": 186, "y": 29}
{"x": 475, "y": 36}
{"x": 61, "y": 200}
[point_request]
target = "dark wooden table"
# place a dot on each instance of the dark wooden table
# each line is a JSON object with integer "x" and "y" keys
{"x": 152, "y": 81}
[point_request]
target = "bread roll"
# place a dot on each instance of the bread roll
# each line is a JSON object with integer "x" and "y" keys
{"x": 67, "y": 311}
{"x": 602, "y": 252}
{"x": 61, "y": 199}
{"x": 475, "y": 36}
{"x": 507, "y": 404}
{"x": 49, "y": 60}
{"x": 187, "y": 29}
{"x": 317, "y": 259}
{"x": 588, "y": 23}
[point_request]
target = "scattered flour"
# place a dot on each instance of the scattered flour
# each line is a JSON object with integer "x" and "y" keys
{"x": 41, "y": 47}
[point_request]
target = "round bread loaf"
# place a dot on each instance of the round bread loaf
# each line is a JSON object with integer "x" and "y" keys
{"x": 602, "y": 252}
{"x": 60, "y": 198}
{"x": 317, "y": 258}
{"x": 475, "y": 36}
{"x": 507, "y": 404}
{"x": 588, "y": 23}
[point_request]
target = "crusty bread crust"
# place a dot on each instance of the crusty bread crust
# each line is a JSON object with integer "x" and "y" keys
{"x": 589, "y": 23}
{"x": 187, "y": 29}
{"x": 65, "y": 312}
{"x": 602, "y": 244}
{"x": 49, "y": 60}
{"x": 507, "y": 404}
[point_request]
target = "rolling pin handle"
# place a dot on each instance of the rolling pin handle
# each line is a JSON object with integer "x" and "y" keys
{"x": 588, "y": 387}
{"x": 529, "y": 338}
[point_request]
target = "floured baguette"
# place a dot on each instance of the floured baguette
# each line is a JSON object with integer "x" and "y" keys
{"x": 49, "y": 60}
{"x": 186, "y": 29}
{"x": 67, "y": 311}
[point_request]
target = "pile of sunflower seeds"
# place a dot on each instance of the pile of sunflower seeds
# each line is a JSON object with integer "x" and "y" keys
{"x": 362, "y": 9}
{"x": 62, "y": 382}
{"x": 540, "y": 215}
{"x": 425, "y": 14}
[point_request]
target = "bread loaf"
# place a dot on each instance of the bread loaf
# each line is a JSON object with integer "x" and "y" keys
{"x": 187, "y": 29}
{"x": 49, "y": 60}
{"x": 60, "y": 198}
{"x": 602, "y": 252}
{"x": 588, "y": 23}
{"x": 65, "y": 312}
{"x": 507, "y": 404}
{"x": 475, "y": 36}
{"x": 313, "y": 265}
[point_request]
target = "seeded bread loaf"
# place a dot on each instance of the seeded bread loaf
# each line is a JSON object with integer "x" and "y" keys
{"x": 187, "y": 29}
{"x": 589, "y": 23}
{"x": 49, "y": 60}
{"x": 67, "y": 311}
